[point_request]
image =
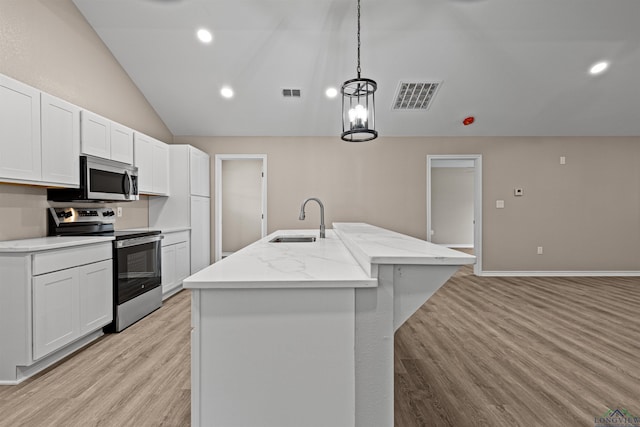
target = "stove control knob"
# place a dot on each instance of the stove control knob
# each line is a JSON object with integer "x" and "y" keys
{"x": 67, "y": 214}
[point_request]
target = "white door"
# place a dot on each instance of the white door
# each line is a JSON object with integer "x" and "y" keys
{"x": 96, "y": 295}
{"x": 241, "y": 203}
{"x": 457, "y": 218}
{"x": 200, "y": 233}
{"x": 20, "y": 153}
{"x": 55, "y": 311}
{"x": 60, "y": 141}
{"x": 452, "y": 206}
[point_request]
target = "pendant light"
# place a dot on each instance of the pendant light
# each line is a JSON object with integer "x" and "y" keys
{"x": 358, "y": 105}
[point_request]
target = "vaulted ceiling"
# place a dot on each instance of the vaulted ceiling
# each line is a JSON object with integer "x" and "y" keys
{"x": 520, "y": 67}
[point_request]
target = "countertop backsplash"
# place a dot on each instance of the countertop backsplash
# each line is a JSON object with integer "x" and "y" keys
{"x": 24, "y": 212}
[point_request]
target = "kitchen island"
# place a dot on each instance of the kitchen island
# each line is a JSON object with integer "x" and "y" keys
{"x": 301, "y": 333}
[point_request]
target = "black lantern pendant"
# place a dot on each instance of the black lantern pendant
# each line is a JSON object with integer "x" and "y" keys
{"x": 358, "y": 105}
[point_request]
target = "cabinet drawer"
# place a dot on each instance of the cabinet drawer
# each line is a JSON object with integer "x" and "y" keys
{"x": 175, "y": 237}
{"x": 59, "y": 259}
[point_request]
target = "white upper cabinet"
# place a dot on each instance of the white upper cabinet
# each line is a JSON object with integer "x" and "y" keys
{"x": 160, "y": 168}
{"x": 20, "y": 153}
{"x": 121, "y": 143}
{"x": 199, "y": 170}
{"x": 104, "y": 138}
{"x": 152, "y": 159}
{"x": 60, "y": 141}
{"x": 96, "y": 135}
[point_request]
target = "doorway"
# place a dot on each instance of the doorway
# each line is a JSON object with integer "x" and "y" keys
{"x": 241, "y": 202}
{"x": 454, "y": 202}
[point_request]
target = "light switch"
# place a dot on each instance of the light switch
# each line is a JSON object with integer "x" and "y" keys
{"x": 518, "y": 191}
{"x": 499, "y": 204}
{"x": 563, "y": 160}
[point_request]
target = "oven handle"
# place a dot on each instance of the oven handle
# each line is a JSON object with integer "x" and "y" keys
{"x": 137, "y": 241}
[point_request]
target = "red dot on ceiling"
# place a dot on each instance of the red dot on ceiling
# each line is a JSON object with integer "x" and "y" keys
{"x": 468, "y": 120}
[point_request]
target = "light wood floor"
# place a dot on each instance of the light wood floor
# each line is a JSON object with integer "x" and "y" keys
{"x": 482, "y": 351}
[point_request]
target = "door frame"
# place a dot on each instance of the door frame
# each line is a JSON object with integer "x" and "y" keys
{"x": 218, "y": 196}
{"x": 477, "y": 200}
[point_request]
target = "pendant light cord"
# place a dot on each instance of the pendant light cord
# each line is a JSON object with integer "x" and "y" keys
{"x": 358, "y": 69}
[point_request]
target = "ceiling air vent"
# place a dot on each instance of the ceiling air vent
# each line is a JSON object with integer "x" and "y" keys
{"x": 291, "y": 93}
{"x": 415, "y": 96}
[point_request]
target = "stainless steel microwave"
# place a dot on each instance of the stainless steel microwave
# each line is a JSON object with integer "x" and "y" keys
{"x": 101, "y": 180}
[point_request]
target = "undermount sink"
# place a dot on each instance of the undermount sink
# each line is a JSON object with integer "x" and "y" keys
{"x": 293, "y": 239}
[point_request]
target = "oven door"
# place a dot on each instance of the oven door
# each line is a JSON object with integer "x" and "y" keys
{"x": 138, "y": 267}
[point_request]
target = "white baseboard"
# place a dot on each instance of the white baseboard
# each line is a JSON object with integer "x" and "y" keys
{"x": 560, "y": 273}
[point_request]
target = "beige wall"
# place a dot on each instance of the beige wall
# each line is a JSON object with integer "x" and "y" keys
{"x": 585, "y": 214}
{"x": 48, "y": 44}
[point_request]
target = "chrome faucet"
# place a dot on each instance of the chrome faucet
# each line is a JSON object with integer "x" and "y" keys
{"x": 301, "y": 218}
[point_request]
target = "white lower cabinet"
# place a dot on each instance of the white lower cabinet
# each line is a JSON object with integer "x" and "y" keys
{"x": 70, "y": 303}
{"x": 55, "y": 311}
{"x": 96, "y": 296}
{"x": 55, "y": 301}
{"x": 175, "y": 261}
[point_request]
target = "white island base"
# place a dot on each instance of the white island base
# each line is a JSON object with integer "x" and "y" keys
{"x": 301, "y": 334}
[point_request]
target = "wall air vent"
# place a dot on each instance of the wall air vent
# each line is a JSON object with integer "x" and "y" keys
{"x": 291, "y": 93}
{"x": 415, "y": 96}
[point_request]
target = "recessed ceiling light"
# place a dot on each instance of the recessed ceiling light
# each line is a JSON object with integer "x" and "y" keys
{"x": 226, "y": 92}
{"x": 204, "y": 36}
{"x": 599, "y": 67}
{"x": 331, "y": 92}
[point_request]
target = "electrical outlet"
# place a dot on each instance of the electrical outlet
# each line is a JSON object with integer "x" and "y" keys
{"x": 499, "y": 204}
{"x": 563, "y": 160}
{"x": 539, "y": 250}
{"x": 119, "y": 211}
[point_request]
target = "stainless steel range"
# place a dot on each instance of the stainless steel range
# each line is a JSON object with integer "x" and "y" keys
{"x": 137, "y": 289}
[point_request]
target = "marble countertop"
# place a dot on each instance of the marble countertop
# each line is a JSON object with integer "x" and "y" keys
{"x": 48, "y": 243}
{"x": 344, "y": 259}
{"x": 374, "y": 245}
{"x": 325, "y": 263}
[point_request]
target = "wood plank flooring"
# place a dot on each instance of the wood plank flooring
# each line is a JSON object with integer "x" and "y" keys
{"x": 520, "y": 352}
{"x": 139, "y": 377}
{"x": 482, "y": 351}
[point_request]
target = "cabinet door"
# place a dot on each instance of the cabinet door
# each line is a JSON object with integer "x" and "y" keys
{"x": 199, "y": 172}
{"x": 95, "y": 139}
{"x": 55, "y": 311}
{"x": 160, "y": 168}
{"x": 60, "y": 141}
{"x": 19, "y": 131}
{"x": 121, "y": 143}
{"x": 200, "y": 230}
{"x": 96, "y": 295}
{"x": 182, "y": 261}
{"x": 168, "y": 267}
{"x": 143, "y": 160}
